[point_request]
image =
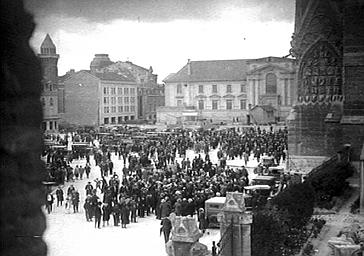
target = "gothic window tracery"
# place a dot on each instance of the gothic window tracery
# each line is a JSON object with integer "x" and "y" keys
{"x": 320, "y": 72}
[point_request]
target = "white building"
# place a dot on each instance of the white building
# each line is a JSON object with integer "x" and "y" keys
{"x": 225, "y": 90}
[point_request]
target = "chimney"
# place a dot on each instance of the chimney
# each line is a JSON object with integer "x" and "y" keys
{"x": 189, "y": 71}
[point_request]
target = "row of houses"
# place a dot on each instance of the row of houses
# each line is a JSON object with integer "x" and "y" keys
{"x": 108, "y": 93}
{"x": 240, "y": 91}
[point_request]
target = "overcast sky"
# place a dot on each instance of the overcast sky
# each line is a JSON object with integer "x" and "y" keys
{"x": 162, "y": 33}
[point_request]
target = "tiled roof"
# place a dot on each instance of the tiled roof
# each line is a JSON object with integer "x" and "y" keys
{"x": 211, "y": 70}
{"x": 47, "y": 42}
{"x": 63, "y": 78}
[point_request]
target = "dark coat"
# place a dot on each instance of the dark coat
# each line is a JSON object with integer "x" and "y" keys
{"x": 59, "y": 194}
{"x": 165, "y": 209}
{"x": 166, "y": 226}
{"x": 124, "y": 211}
{"x": 98, "y": 212}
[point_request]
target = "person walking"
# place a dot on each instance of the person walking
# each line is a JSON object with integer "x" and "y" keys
{"x": 98, "y": 214}
{"x": 166, "y": 228}
{"x": 59, "y": 195}
{"x": 81, "y": 171}
{"x": 75, "y": 200}
{"x": 202, "y": 220}
{"x": 106, "y": 211}
{"x": 49, "y": 202}
{"x": 89, "y": 188}
{"x": 111, "y": 167}
{"x": 87, "y": 170}
{"x": 76, "y": 172}
{"x": 115, "y": 212}
{"x": 68, "y": 203}
{"x": 124, "y": 212}
{"x": 87, "y": 208}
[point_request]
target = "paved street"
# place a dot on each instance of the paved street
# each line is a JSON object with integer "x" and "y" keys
{"x": 68, "y": 234}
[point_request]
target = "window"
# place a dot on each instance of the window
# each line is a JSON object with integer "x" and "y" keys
{"x": 214, "y": 104}
{"x": 120, "y": 100}
{"x": 179, "y": 103}
{"x": 113, "y": 91}
{"x": 214, "y": 88}
{"x": 228, "y": 88}
{"x": 243, "y": 88}
{"x": 132, "y": 108}
{"x": 120, "y": 119}
{"x": 271, "y": 84}
{"x": 113, "y": 109}
{"x": 126, "y": 90}
{"x": 106, "y": 120}
{"x": 113, "y": 100}
{"x": 132, "y": 100}
{"x": 132, "y": 117}
{"x": 229, "y": 104}
{"x": 126, "y": 108}
{"x": 242, "y": 104}
{"x": 132, "y": 90}
{"x": 200, "y": 88}
{"x": 200, "y": 104}
{"x": 286, "y": 91}
{"x": 50, "y": 125}
{"x": 51, "y": 101}
{"x": 113, "y": 120}
{"x": 126, "y": 118}
{"x": 106, "y": 110}
{"x": 120, "y": 109}
{"x": 120, "y": 91}
{"x": 43, "y": 101}
{"x": 51, "y": 89}
{"x": 106, "y": 100}
{"x": 126, "y": 100}
{"x": 106, "y": 90}
{"x": 179, "y": 88}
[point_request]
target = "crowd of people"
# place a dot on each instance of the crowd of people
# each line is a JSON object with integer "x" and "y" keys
{"x": 154, "y": 182}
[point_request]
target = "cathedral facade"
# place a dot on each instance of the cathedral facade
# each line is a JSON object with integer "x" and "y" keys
{"x": 328, "y": 44}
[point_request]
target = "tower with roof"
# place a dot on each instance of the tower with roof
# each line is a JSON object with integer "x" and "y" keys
{"x": 49, "y": 60}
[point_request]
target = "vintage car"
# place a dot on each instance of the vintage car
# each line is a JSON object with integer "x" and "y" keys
{"x": 276, "y": 171}
{"x": 259, "y": 189}
{"x": 212, "y": 208}
{"x": 268, "y": 161}
{"x": 264, "y": 180}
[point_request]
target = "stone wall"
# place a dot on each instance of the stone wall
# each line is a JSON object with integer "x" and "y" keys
{"x": 353, "y": 36}
{"x": 22, "y": 220}
{"x": 81, "y": 98}
{"x": 328, "y": 44}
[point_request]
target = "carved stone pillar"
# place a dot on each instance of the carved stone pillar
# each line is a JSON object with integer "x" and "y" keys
{"x": 361, "y": 203}
{"x": 185, "y": 236}
{"x": 235, "y": 226}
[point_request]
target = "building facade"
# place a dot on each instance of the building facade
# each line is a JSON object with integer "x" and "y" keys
{"x": 155, "y": 99}
{"x": 224, "y": 91}
{"x": 150, "y": 94}
{"x": 49, "y": 98}
{"x": 97, "y": 99}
